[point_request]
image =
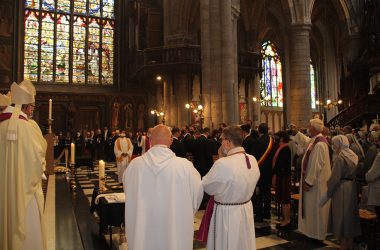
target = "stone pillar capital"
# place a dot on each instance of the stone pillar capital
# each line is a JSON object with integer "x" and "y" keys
{"x": 235, "y": 9}
{"x": 301, "y": 27}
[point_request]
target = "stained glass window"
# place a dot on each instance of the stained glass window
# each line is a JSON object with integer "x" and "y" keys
{"x": 271, "y": 81}
{"x": 69, "y": 41}
{"x": 312, "y": 86}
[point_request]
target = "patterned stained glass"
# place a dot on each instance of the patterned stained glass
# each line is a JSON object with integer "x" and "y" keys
{"x": 69, "y": 41}
{"x": 32, "y": 4}
{"x": 80, "y": 7}
{"x": 63, "y": 6}
{"x": 63, "y": 49}
{"x": 108, "y": 9}
{"x": 271, "y": 81}
{"x": 94, "y": 8}
{"x": 93, "y": 51}
{"x": 312, "y": 86}
{"x": 48, "y": 5}
{"x": 31, "y": 46}
{"x": 79, "y": 49}
{"x": 47, "y": 48}
{"x": 107, "y": 55}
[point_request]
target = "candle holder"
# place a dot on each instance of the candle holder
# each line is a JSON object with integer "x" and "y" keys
{"x": 73, "y": 178}
{"x": 50, "y": 122}
{"x": 102, "y": 184}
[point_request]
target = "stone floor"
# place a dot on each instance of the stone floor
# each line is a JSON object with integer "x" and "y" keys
{"x": 70, "y": 225}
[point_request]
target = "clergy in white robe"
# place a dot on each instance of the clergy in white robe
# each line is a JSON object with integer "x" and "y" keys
{"x": 315, "y": 171}
{"x": 163, "y": 192}
{"x": 232, "y": 181}
{"x": 22, "y": 153}
{"x": 123, "y": 150}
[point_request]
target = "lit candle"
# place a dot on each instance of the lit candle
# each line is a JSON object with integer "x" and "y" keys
{"x": 72, "y": 156}
{"x": 50, "y": 108}
{"x": 102, "y": 169}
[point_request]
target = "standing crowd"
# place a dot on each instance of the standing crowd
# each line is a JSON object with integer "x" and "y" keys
{"x": 237, "y": 167}
{"x": 168, "y": 174}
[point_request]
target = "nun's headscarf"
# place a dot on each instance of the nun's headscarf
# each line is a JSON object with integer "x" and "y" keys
{"x": 340, "y": 143}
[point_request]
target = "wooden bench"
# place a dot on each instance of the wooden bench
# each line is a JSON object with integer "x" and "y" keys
{"x": 294, "y": 200}
{"x": 277, "y": 205}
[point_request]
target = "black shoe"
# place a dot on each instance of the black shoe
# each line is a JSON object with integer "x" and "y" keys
{"x": 284, "y": 227}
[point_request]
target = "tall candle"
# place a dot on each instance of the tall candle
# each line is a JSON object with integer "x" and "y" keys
{"x": 72, "y": 156}
{"x": 102, "y": 169}
{"x": 50, "y": 108}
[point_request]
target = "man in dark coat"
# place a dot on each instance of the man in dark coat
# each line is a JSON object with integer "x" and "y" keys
{"x": 215, "y": 143}
{"x": 249, "y": 141}
{"x": 202, "y": 152}
{"x": 188, "y": 138}
{"x": 263, "y": 151}
{"x": 177, "y": 146}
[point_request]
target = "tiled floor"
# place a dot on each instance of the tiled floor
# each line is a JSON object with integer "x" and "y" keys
{"x": 76, "y": 228}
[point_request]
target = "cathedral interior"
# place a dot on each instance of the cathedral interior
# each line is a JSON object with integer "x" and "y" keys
{"x": 133, "y": 64}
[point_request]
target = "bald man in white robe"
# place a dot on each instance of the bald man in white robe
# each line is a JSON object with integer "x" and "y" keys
{"x": 163, "y": 192}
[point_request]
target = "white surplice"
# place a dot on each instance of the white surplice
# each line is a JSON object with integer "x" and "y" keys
{"x": 163, "y": 192}
{"x": 123, "y": 145}
{"x": 21, "y": 196}
{"x": 314, "y": 222}
{"x": 230, "y": 181}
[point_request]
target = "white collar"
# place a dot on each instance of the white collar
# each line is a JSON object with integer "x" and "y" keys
{"x": 10, "y": 109}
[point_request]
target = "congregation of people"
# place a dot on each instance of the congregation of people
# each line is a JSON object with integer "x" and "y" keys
{"x": 178, "y": 170}
{"x": 329, "y": 169}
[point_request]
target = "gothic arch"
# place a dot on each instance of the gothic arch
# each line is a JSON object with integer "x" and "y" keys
{"x": 182, "y": 16}
{"x": 345, "y": 11}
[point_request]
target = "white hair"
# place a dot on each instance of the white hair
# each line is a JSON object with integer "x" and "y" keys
{"x": 317, "y": 124}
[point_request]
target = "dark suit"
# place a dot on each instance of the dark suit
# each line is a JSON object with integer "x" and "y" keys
{"x": 178, "y": 148}
{"x": 248, "y": 144}
{"x": 215, "y": 145}
{"x": 262, "y": 199}
{"x": 202, "y": 153}
{"x": 188, "y": 143}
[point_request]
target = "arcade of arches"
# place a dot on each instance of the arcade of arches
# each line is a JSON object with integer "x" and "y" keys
{"x": 100, "y": 67}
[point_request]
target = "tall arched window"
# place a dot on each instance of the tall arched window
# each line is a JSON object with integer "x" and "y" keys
{"x": 69, "y": 41}
{"x": 312, "y": 86}
{"x": 271, "y": 81}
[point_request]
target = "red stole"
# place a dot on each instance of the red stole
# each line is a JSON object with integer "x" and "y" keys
{"x": 309, "y": 149}
{"x": 6, "y": 116}
{"x": 304, "y": 167}
{"x": 147, "y": 143}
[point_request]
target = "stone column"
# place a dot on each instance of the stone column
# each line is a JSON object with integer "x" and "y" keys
{"x": 254, "y": 90}
{"x": 159, "y": 97}
{"x": 206, "y": 61}
{"x": 167, "y": 105}
{"x": 229, "y": 62}
{"x": 182, "y": 96}
{"x": 215, "y": 64}
{"x": 219, "y": 61}
{"x": 299, "y": 94}
{"x": 173, "y": 118}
